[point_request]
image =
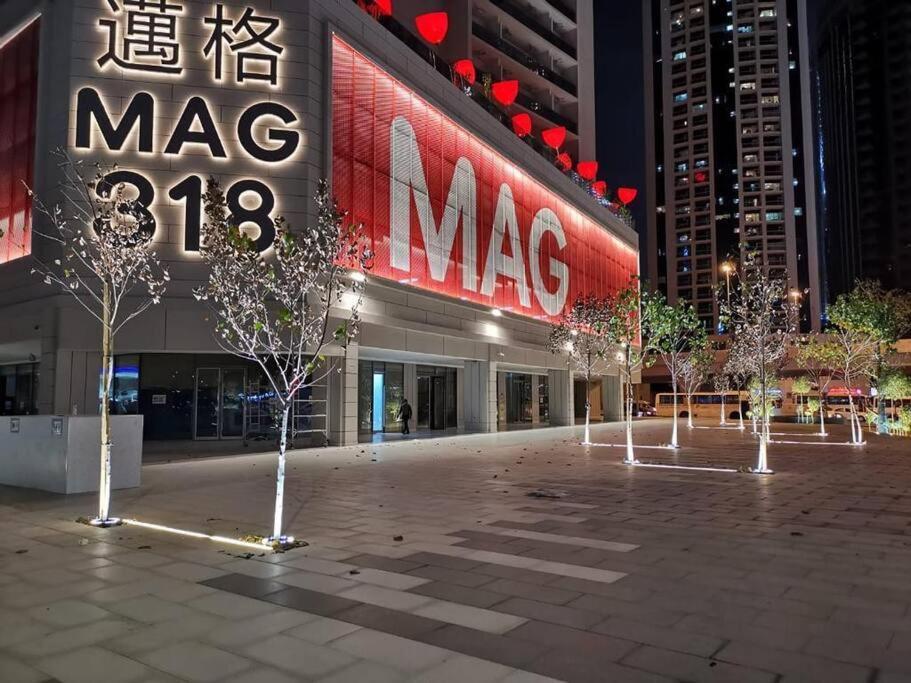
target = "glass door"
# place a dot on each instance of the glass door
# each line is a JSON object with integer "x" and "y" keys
{"x": 232, "y": 403}
{"x": 423, "y": 411}
{"x": 206, "y": 420}
{"x": 379, "y": 396}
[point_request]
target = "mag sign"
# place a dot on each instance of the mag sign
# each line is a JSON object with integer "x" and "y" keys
{"x": 166, "y": 41}
{"x": 448, "y": 214}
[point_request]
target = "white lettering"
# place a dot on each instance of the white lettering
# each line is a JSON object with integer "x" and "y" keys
{"x": 552, "y": 302}
{"x": 408, "y": 179}
{"x": 498, "y": 263}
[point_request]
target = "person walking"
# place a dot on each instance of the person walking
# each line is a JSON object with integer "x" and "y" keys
{"x": 405, "y": 415}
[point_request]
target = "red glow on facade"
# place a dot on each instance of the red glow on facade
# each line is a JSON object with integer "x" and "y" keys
{"x": 587, "y": 169}
{"x": 376, "y": 8}
{"x": 505, "y": 92}
{"x": 446, "y": 213}
{"x": 701, "y": 176}
{"x": 432, "y": 26}
{"x": 521, "y": 124}
{"x": 465, "y": 69}
{"x": 18, "y": 117}
{"x": 599, "y": 187}
{"x": 564, "y": 161}
{"x": 554, "y": 137}
{"x": 627, "y": 195}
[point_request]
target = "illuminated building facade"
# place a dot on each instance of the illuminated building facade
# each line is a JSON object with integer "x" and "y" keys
{"x": 481, "y": 240}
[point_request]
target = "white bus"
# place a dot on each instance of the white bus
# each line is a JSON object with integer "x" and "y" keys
{"x": 707, "y": 404}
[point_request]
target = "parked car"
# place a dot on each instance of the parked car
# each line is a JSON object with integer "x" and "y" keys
{"x": 644, "y": 409}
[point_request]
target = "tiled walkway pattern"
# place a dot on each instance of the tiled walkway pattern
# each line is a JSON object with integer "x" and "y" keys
{"x": 429, "y": 561}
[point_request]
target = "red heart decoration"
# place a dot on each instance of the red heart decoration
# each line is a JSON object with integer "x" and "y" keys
{"x": 521, "y": 124}
{"x": 627, "y": 194}
{"x": 565, "y": 161}
{"x": 587, "y": 169}
{"x": 432, "y": 26}
{"x": 383, "y": 7}
{"x": 505, "y": 92}
{"x": 465, "y": 69}
{"x": 599, "y": 187}
{"x": 554, "y": 137}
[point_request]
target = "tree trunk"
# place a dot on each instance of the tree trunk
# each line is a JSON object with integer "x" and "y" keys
{"x": 588, "y": 409}
{"x": 630, "y": 454}
{"x": 822, "y": 419}
{"x": 856, "y": 433}
{"x": 674, "y": 443}
{"x": 689, "y": 412}
{"x": 280, "y": 476}
{"x": 107, "y": 350}
{"x": 740, "y": 410}
{"x": 723, "y": 416}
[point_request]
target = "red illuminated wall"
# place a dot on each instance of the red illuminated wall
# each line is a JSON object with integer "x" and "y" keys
{"x": 18, "y": 96}
{"x": 366, "y": 102}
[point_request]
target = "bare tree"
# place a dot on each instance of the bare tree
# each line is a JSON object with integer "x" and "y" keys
{"x": 738, "y": 372}
{"x": 582, "y": 334}
{"x": 762, "y": 315}
{"x": 101, "y": 239}
{"x": 673, "y": 331}
{"x": 276, "y": 311}
{"x": 694, "y": 371}
{"x": 856, "y": 358}
{"x": 625, "y": 329}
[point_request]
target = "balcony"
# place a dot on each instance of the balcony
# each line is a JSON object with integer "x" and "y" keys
{"x": 519, "y": 55}
{"x": 524, "y": 16}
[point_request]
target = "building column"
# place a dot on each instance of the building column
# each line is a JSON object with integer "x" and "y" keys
{"x": 562, "y": 410}
{"x": 480, "y": 396}
{"x": 460, "y": 402}
{"x": 535, "y": 398}
{"x": 612, "y": 398}
{"x": 343, "y": 398}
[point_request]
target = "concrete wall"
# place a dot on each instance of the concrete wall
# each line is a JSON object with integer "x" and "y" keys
{"x": 67, "y": 459}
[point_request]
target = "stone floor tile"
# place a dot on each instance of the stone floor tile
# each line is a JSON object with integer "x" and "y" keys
{"x": 164, "y": 633}
{"x": 385, "y": 563}
{"x": 68, "y": 613}
{"x": 321, "y": 630}
{"x": 389, "y": 621}
{"x": 491, "y": 621}
{"x": 246, "y": 630}
{"x": 263, "y": 674}
{"x": 799, "y": 666}
{"x": 242, "y": 584}
{"x": 457, "y": 577}
{"x": 527, "y": 677}
{"x": 385, "y": 597}
{"x": 261, "y": 570}
{"x": 555, "y": 614}
{"x": 362, "y": 672}
{"x": 461, "y": 668}
{"x": 72, "y": 638}
{"x": 91, "y": 665}
{"x": 531, "y": 591}
{"x": 393, "y": 651}
{"x": 322, "y": 583}
{"x": 195, "y": 661}
{"x": 502, "y": 649}
{"x": 310, "y": 601}
{"x": 189, "y": 571}
{"x": 585, "y": 643}
{"x": 569, "y": 666}
{"x": 297, "y": 656}
{"x": 692, "y": 668}
{"x": 230, "y": 606}
{"x": 379, "y": 577}
{"x": 670, "y": 639}
{"x": 149, "y": 609}
{"x": 15, "y": 671}
{"x": 454, "y": 593}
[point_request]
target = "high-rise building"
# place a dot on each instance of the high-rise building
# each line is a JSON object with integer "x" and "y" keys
{"x": 536, "y": 42}
{"x": 863, "y": 67}
{"x": 728, "y": 102}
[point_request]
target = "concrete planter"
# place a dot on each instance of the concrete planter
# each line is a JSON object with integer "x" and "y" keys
{"x": 61, "y": 454}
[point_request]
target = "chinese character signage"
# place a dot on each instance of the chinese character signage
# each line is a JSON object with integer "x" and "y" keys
{"x": 241, "y": 47}
{"x": 447, "y": 213}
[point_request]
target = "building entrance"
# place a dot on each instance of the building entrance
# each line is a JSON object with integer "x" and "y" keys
{"x": 436, "y": 398}
{"x": 219, "y": 403}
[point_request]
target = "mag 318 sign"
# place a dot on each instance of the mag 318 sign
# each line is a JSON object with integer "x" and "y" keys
{"x": 158, "y": 40}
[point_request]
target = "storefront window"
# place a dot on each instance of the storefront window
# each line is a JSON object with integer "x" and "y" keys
{"x": 19, "y": 389}
{"x": 518, "y": 398}
{"x": 381, "y": 387}
{"x": 436, "y": 398}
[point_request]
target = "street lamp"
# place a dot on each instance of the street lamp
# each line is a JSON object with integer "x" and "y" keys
{"x": 728, "y": 268}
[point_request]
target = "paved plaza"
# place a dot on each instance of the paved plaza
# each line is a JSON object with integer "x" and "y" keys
{"x": 437, "y": 560}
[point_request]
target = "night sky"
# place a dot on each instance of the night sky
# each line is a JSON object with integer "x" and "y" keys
{"x": 620, "y": 96}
